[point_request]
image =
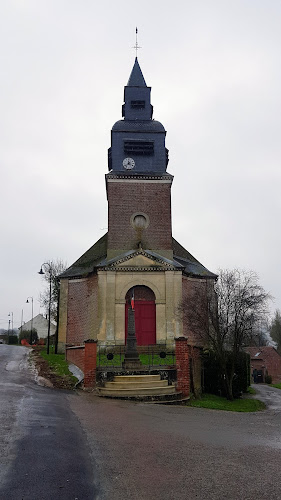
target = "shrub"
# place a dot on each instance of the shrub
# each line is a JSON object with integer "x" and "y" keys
{"x": 268, "y": 379}
{"x": 213, "y": 382}
{"x": 13, "y": 339}
{"x": 25, "y": 334}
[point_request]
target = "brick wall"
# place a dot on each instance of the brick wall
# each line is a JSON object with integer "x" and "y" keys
{"x": 76, "y": 355}
{"x": 194, "y": 310}
{"x": 82, "y": 309}
{"x": 90, "y": 364}
{"x": 85, "y": 357}
{"x": 127, "y": 198}
{"x": 268, "y": 360}
{"x": 183, "y": 365}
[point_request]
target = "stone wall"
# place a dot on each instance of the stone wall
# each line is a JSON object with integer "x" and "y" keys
{"x": 113, "y": 286}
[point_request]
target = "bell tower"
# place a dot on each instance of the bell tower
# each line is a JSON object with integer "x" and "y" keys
{"x": 137, "y": 257}
{"x": 138, "y": 186}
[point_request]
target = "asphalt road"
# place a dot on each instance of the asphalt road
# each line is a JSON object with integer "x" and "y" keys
{"x": 44, "y": 451}
{"x": 59, "y": 445}
{"x": 169, "y": 452}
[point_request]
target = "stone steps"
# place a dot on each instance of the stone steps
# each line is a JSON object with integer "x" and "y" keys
{"x": 136, "y": 378}
{"x": 141, "y": 387}
{"x": 135, "y": 384}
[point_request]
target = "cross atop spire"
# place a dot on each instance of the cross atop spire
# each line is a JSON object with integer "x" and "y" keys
{"x": 136, "y": 46}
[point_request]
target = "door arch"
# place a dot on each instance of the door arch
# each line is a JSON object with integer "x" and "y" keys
{"x": 145, "y": 314}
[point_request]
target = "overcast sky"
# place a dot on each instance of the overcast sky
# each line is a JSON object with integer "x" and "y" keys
{"x": 215, "y": 72}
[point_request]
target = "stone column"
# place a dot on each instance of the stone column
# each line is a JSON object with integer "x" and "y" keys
{"x": 131, "y": 359}
{"x": 183, "y": 366}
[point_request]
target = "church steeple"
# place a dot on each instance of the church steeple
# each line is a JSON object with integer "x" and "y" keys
{"x": 137, "y": 141}
{"x": 137, "y": 96}
{"x": 136, "y": 78}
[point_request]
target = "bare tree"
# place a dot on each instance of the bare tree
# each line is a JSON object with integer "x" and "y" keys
{"x": 52, "y": 269}
{"x": 225, "y": 314}
{"x": 275, "y": 329}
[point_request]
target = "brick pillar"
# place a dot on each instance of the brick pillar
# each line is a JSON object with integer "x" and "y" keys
{"x": 182, "y": 364}
{"x": 90, "y": 363}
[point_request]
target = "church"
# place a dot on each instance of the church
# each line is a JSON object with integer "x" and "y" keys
{"x": 137, "y": 258}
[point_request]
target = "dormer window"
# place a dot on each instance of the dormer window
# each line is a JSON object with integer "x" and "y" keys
{"x": 137, "y": 104}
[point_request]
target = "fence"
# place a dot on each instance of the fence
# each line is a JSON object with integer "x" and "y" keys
{"x": 151, "y": 356}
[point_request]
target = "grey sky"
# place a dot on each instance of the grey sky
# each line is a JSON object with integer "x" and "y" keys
{"x": 214, "y": 67}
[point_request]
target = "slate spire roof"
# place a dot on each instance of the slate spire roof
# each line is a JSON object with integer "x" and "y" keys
{"x": 136, "y": 78}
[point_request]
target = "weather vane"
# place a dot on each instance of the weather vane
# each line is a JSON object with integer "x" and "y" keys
{"x": 137, "y": 47}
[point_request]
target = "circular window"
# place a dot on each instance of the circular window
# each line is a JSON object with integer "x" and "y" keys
{"x": 139, "y": 221}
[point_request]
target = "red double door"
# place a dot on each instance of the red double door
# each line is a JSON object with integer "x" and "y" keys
{"x": 145, "y": 321}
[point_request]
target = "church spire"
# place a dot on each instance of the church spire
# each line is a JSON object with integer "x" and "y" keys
{"x": 137, "y": 141}
{"x": 136, "y": 78}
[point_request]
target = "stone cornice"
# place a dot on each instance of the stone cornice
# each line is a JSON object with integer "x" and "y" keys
{"x": 139, "y": 177}
{"x": 138, "y": 269}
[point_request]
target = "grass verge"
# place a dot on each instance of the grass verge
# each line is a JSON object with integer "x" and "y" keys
{"x": 145, "y": 360}
{"x": 54, "y": 367}
{"x": 278, "y": 386}
{"x": 57, "y": 363}
{"x": 218, "y": 403}
{"x": 251, "y": 390}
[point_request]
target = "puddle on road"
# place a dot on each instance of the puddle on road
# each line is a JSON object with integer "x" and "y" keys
{"x": 12, "y": 366}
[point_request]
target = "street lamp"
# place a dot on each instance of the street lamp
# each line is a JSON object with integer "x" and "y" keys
{"x": 27, "y": 301}
{"x": 50, "y": 299}
{"x": 11, "y": 314}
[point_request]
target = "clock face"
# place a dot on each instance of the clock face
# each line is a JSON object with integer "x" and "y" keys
{"x": 128, "y": 163}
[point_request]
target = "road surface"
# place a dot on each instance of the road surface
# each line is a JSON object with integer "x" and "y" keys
{"x": 44, "y": 451}
{"x": 62, "y": 445}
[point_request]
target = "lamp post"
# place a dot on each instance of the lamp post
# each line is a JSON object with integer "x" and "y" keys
{"x": 50, "y": 299}
{"x": 27, "y": 301}
{"x": 21, "y": 321}
{"x": 11, "y": 314}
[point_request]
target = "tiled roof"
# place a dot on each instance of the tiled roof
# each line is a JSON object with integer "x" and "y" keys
{"x": 97, "y": 256}
{"x": 192, "y": 267}
{"x": 88, "y": 261}
{"x": 260, "y": 352}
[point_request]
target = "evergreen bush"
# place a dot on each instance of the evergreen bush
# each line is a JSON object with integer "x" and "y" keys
{"x": 268, "y": 379}
{"x": 213, "y": 382}
{"x": 13, "y": 339}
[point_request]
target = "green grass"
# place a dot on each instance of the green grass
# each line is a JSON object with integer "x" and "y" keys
{"x": 251, "y": 390}
{"x": 278, "y": 386}
{"x": 145, "y": 359}
{"x": 57, "y": 363}
{"x": 218, "y": 403}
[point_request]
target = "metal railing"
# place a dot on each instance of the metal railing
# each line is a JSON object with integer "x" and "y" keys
{"x": 151, "y": 356}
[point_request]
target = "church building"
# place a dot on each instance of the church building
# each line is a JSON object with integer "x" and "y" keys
{"x": 137, "y": 258}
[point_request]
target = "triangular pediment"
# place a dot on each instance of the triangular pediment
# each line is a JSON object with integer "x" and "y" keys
{"x": 140, "y": 260}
